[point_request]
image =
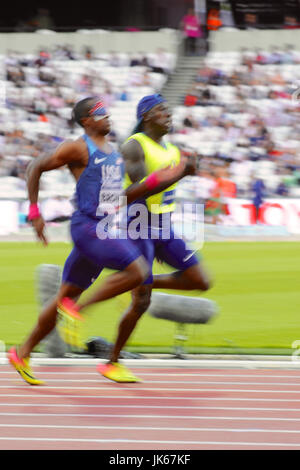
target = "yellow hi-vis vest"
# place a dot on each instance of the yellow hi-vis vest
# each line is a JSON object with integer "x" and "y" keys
{"x": 156, "y": 158}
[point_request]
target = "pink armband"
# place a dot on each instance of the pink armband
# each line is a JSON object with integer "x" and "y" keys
{"x": 152, "y": 181}
{"x": 34, "y": 212}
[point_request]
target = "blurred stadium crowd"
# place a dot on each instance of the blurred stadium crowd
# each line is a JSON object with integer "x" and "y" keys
{"x": 39, "y": 92}
{"x": 240, "y": 115}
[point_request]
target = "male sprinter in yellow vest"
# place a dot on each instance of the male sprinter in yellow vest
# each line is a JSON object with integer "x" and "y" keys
{"x": 144, "y": 153}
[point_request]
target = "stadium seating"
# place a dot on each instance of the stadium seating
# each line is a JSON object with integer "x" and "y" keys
{"x": 244, "y": 94}
{"x": 263, "y": 93}
{"x": 38, "y": 103}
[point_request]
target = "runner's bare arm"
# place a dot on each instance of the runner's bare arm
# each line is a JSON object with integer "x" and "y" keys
{"x": 66, "y": 153}
{"x": 135, "y": 167}
{"x": 134, "y": 159}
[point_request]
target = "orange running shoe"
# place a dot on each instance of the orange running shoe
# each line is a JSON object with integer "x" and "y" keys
{"x": 68, "y": 307}
{"x": 69, "y": 322}
{"x": 22, "y": 366}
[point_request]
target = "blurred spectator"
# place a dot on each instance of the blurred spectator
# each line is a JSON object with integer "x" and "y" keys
{"x": 190, "y": 122}
{"x": 191, "y": 27}
{"x": 16, "y": 75}
{"x": 214, "y": 206}
{"x": 290, "y": 178}
{"x": 42, "y": 20}
{"x": 114, "y": 60}
{"x": 272, "y": 151}
{"x": 135, "y": 60}
{"x": 288, "y": 55}
{"x": 261, "y": 57}
{"x": 24, "y": 25}
{"x": 108, "y": 96}
{"x": 232, "y": 133}
{"x": 250, "y": 21}
{"x": 213, "y": 20}
{"x": 124, "y": 96}
{"x": 226, "y": 15}
{"x": 64, "y": 52}
{"x": 258, "y": 188}
{"x": 160, "y": 62}
{"x": 84, "y": 84}
{"x": 275, "y": 57}
{"x": 43, "y": 58}
{"x": 46, "y": 76}
{"x": 88, "y": 53}
{"x": 206, "y": 184}
{"x": 282, "y": 190}
{"x": 206, "y": 97}
{"x": 191, "y": 98}
{"x": 138, "y": 79}
{"x": 144, "y": 62}
{"x": 132, "y": 29}
{"x": 225, "y": 186}
{"x": 290, "y": 22}
{"x": 204, "y": 74}
{"x": 54, "y": 100}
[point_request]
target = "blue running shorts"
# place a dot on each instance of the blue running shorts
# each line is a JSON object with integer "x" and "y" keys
{"x": 90, "y": 255}
{"x": 172, "y": 251}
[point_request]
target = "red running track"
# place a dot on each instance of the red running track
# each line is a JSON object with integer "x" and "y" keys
{"x": 174, "y": 409}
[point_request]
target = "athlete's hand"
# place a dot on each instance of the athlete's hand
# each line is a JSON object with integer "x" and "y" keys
{"x": 39, "y": 227}
{"x": 190, "y": 164}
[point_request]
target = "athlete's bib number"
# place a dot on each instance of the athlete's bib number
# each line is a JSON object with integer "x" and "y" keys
{"x": 109, "y": 199}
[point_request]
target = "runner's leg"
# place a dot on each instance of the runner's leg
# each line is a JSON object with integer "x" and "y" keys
{"x": 47, "y": 320}
{"x": 118, "y": 283}
{"x": 193, "y": 278}
{"x": 141, "y": 297}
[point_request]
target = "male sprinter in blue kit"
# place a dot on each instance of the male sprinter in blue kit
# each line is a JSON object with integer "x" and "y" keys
{"x": 98, "y": 170}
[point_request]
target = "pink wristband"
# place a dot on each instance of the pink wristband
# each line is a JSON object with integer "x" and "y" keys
{"x": 34, "y": 212}
{"x": 152, "y": 181}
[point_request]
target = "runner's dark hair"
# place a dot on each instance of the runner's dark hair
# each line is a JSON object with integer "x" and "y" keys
{"x": 81, "y": 109}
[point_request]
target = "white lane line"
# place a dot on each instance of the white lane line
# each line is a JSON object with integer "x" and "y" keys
{"x": 49, "y": 377}
{"x": 139, "y": 416}
{"x": 165, "y": 374}
{"x": 184, "y": 382}
{"x": 136, "y": 397}
{"x": 219, "y": 364}
{"x": 137, "y": 387}
{"x": 165, "y": 407}
{"x": 82, "y": 375}
{"x": 144, "y": 441}
{"x": 152, "y": 428}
